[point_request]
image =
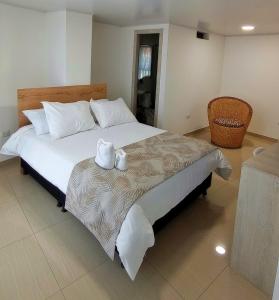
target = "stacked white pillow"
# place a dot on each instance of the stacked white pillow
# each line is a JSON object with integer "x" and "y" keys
{"x": 38, "y": 118}
{"x": 65, "y": 119}
{"x": 99, "y": 101}
{"x": 111, "y": 113}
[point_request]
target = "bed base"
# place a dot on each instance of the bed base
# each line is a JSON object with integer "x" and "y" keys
{"x": 158, "y": 225}
{"x": 26, "y": 169}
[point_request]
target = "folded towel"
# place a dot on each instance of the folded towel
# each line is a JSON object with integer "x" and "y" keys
{"x": 105, "y": 157}
{"x": 121, "y": 161}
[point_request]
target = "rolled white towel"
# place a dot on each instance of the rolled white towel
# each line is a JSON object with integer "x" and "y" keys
{"x": 105, "y": 157}
{"x": 121, "y": 160}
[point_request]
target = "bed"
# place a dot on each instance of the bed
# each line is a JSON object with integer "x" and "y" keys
{"x": 60, "y": 156}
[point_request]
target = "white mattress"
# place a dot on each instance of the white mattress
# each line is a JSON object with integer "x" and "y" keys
{"x": 55, "y": 160}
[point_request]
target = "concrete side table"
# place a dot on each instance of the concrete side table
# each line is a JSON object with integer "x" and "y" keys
{"x": 255, "y": 248}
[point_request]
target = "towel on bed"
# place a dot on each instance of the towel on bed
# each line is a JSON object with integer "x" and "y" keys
{"x": 101, "y": 199}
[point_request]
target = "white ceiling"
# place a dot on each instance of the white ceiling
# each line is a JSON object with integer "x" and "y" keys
{"x": 220, "y": 16}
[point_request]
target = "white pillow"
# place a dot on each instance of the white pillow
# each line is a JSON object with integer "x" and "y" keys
{"x": 111, "y": 113}
{"x": 99, "y": 100}
{"x": 68, "y": 118}
{"x": 38, "y": 118}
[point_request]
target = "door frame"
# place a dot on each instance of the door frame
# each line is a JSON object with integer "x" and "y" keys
{"x": 137, "y": 33}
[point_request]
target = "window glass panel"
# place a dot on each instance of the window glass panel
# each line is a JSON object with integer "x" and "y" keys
{"x": 145, "y": 58}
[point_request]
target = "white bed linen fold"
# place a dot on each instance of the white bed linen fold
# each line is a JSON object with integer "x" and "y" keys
{"x": 55, "y": 160}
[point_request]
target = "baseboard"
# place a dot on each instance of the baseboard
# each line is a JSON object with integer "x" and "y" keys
{"x": 248, "y": 133}
{"x": 197, "y": 131}
{"x": 262, "y": 137}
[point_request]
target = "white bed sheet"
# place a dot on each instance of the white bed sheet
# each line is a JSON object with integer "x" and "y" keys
{"x": 55, "y": 160}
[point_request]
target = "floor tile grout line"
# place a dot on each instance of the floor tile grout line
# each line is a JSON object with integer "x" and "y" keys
{"x": 212, "y": 282}
{"x": 60, "y": 290}
{"x": 19, "y": 202}
{"x": 64, "y": 297}
{"x": 20, "y": 206}
{"x": 34, "y": 234}
{"x": 52, "y": 271}
{"x": 163, "y": 277}
{"x": 52, "y": 225}
{"x": 48, "y": 263}
{"x": 16, "y": 241}
{"x": 154, "y": 267}
{"x": 83, "y": 275}
{"x": 44, "y": 254}
{"x": 47, "y": 258}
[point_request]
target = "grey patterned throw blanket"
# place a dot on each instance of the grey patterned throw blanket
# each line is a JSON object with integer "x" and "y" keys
{"x": 101, "y": 199}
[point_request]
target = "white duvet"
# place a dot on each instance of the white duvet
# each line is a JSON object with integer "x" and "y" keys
{"x": 55, "y": 160}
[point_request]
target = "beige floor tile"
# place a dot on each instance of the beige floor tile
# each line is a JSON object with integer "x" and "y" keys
{"x": 24, "y": 272}
{"x": 109, "y": 281}
{"x": 216, "y": 183}
{"x": 223, "y": 197}
{"x": 10, "y": 167}
{"x": 191, "y": 267}
{"x": 25, "y": 185}
{"x": 185, "y": 251}
{"x": 231, "y": 286}
{"x": 71, "y": 250}
{"x": 58, "y": 296}
{"x": 13, "y": 224}
{"x": 7, "y": 196}
{"x": 41, "y": 210}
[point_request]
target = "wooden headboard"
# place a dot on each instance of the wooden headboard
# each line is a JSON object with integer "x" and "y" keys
{"x": 32, "y": 98}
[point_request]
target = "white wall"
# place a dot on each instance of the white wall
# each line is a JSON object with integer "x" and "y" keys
{"x": 191, "y": 71}
{"x": 40, "y": 49}
{"x": 110, "y": 58}
{"x": 69, "y": 36}
{"x": 78, "y": 48}
{"x": 194, "y": 70}
{"x": 251, "y": 68}
{"x": 56, "y": 37}
{"x": 23, "y": 59}
{"x": 113, "y": 60}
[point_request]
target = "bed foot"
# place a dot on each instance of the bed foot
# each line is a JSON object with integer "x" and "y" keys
{"x": 59, "y": 204}
{"x": 122, "y": 266}
{"x": 64, "y": 209}
{"x": 23, "y": 171}
{"x": 204, "y": 193}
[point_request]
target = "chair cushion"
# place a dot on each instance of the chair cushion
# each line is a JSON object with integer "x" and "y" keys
{"x": 227, "y": 122}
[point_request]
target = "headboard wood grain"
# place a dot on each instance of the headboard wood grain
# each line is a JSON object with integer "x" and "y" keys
{"x": 32, "y": 98}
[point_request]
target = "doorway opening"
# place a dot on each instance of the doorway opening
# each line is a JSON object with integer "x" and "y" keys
{"x": 147, "y": 61}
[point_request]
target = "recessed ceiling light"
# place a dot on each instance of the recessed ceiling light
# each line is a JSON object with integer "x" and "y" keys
{"x": 248, "y": 27}
{"x": 220, "y": 250}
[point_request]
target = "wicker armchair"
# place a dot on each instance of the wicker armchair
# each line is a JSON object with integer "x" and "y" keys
{"x": 229, "y": 119}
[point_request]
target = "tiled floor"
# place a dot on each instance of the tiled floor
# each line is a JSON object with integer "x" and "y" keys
{"x": 45, "y": 254}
